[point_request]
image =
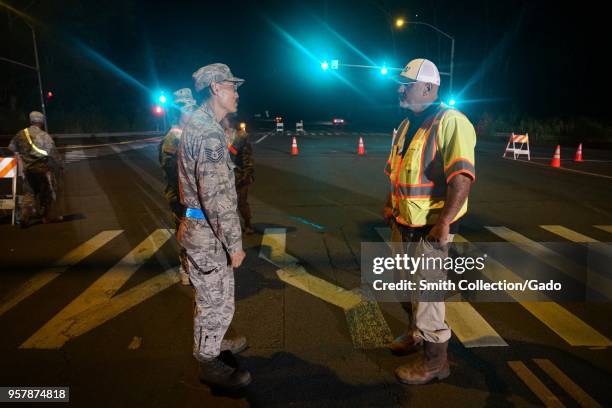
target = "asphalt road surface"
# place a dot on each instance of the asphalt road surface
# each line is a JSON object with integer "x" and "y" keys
{"x": 94, "y": 302}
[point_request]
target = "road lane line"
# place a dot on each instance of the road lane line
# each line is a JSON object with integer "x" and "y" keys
{"x": 534, "y": 384}
{"x": 78, "y": 316}
{"x": 468, "y": 325}
{"x": 367, "y": 325}
{"x": 560, "y": 320}
{"x": 298, "y": 277}
{"x": 607, "y": 228}
{"x": 261, "y": 139}
{"x": 595, "y": 280}
{"x": 561, "y": 168}
{"x": 582, "y": 398}
{"x": 567, "y": 233}
{"x": 46, "y": 276}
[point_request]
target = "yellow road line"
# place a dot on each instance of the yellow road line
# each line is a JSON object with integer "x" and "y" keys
{"x": 607, "y": 228}
{"x": 46, "y": 276}
{"x": 567, "y": 326}
{"x": 78, "y": 316}
{"x": 582, "y": 398}
{"x": 101, "y": 312}
{"x": 367, "y": 326}
{"x": 298, "y": 277}
{"x": 567, "y": 233}
{"x": 534, "y": 384}
{"x": 273, "y": 246}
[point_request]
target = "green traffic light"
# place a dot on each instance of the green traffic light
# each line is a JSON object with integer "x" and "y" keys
{"x": 324, "y": 65}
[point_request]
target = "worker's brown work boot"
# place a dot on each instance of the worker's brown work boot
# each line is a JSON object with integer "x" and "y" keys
{"x": 405, "y": 344}
{"x": 433, "y": 363}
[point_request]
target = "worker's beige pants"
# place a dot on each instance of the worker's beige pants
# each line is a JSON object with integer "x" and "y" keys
{"x": 426, "y": 320}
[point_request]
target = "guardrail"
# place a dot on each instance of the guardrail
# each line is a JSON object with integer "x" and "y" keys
{"x": 99, "y": 134}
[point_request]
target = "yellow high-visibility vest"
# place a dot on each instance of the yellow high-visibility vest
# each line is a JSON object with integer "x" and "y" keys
{"x": 41, "y": 152}
{"x": 441, "y": 148}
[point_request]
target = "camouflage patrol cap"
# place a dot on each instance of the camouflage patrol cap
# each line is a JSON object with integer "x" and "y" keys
{"x": 36, "y": 117}
{"x": 204, "y": 76}
{"x": 183, "y": 98}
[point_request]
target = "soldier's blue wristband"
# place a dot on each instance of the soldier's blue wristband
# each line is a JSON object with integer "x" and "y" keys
{"x": 195, "y": 213}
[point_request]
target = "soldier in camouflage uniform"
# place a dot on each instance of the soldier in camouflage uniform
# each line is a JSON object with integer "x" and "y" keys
{"x": 241, "y": 153}
{"x": 42, "y": 166}
{"x": 184, "y": 102}
{"x": 210, "y": 231}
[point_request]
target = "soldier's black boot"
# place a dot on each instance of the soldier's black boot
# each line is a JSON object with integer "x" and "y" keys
{"x": 217, "y": 373}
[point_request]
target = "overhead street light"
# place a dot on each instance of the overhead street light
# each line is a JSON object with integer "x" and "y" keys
{"x": 399, "y": 22}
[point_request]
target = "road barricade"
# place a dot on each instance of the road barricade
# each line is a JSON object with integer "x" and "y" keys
{"x": 299, "y": 127}
{"x": 8, "y": 170}
{"x": 280, "y": 127}
{"x": 518, "y": 145}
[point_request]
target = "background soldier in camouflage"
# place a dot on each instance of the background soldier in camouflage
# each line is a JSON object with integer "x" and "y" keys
{"x": 42, "y": 166}
{"x": 184, "y": 102}
{"x": 210, "y": 231}
{"x": 241, "y": 153}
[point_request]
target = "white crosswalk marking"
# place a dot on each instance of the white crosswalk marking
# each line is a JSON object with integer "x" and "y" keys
{"x": 567, "y": 326}
{"x": 43, "y": 278}
{"x": 567, "y": 233}
{"x": 594, "y": 280}
{"x": 468, "y": 325}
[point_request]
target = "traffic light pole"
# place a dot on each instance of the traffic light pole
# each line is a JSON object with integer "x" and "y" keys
{"x": 40, "y": 87}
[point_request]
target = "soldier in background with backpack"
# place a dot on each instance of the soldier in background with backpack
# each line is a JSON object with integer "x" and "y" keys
{"x": 42, "y": 166}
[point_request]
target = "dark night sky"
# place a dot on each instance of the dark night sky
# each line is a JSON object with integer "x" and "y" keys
{"x": 536, "y": 58}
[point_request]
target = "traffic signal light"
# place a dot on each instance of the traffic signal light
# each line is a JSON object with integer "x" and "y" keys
{"x": 49, "y": 95}
{"x": 158, "y": 110}
{"x": 324, "y": 65}
{"x": 160, "y": 98}
{"x": 384, "y": 70}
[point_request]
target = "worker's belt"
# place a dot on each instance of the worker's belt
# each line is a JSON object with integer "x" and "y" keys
{"x": 195, "y": 213}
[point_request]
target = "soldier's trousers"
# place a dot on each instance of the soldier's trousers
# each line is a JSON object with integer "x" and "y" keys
{"x": 43, "y": 194}
{"x": 426, "y": 320}
{"x": 243, "y": 203}
{"x": 214, "y": 306}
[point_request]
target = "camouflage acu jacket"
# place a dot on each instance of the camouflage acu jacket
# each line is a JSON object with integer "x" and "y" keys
{"x": 44, "y": 155}
{"x": 206, "y": 181}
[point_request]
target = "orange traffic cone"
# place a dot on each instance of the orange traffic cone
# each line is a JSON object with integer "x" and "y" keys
{"x": 578, "y": 157}
{"x": 556, "y": 160}
{"x": 294, "y": 148}
{"x": 361, "y": 147}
